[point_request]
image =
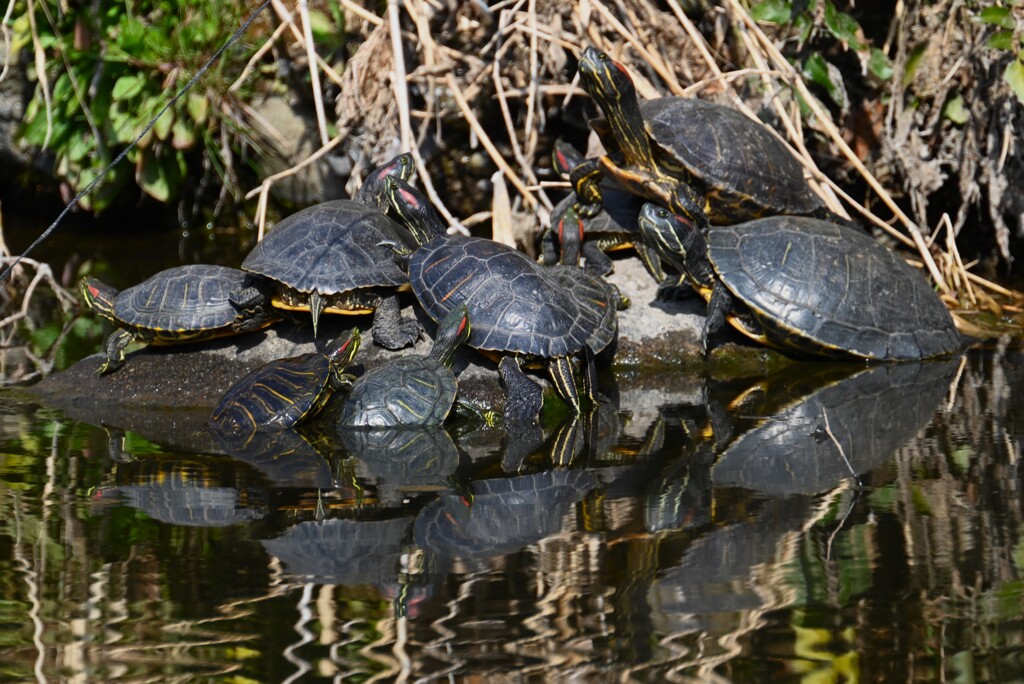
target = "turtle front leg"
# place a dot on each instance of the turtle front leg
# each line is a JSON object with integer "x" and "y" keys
{"x": 523, "y": 396}
{"x": 114, "y": 350}
{"x": 560, "y": 370}
{"x": 719, "y": 305}
{"x": 589, "y": 375}
{"x": 586, "y": 178}
{"x": 595, "y": 260}
{"x": 390, "y": 330}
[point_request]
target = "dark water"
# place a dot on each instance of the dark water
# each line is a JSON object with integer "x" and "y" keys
{"x": 716, "y": 537}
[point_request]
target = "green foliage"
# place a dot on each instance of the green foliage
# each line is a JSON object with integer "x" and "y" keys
{"x": 821, "y": 23}
{"x": 108, "y": 73}
{"x": 1006, "y": 38}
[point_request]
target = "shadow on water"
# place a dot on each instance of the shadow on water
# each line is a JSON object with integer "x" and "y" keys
{"x": 840, "y": 521}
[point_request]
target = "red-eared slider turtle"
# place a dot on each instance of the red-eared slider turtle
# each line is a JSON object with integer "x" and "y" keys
{"x": 517, "y": 310}
{"x": 806, "y": 285}
{"x": 180, "y": 304}
{"x": 593, "y": 293}
{"x": 372, "y": 192}
{"x": 614, "y": 227}
{"x": 411, "y": 390}
{"x": 693, "y": 156}
{"x": 332, "y": 257}
{"x": 285, "y": 392}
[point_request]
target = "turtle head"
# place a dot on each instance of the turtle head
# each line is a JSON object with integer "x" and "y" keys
{"x": 452, "y": 332}
{"x": 569, "y": 229}
{"x": 675, "y": 238}
{"x": 99, "y": 297}
{"x": 564, "y": 158}
{"x": 413, "y": 210}
{"x": 611, "y": 86}
{"x": 344, "y": 349}
{"x": 606, "y": 80}
{"x": 372, "y": 191}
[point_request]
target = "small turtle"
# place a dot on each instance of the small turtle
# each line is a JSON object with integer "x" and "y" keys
{"x": 411, "y": 390}
{"x": 612, "y": 228}
{"x": 285, "y": 392}
{"x": 332, "y": 258}
{"x": 806, "y": 285}
{"x": 180, "y": 304}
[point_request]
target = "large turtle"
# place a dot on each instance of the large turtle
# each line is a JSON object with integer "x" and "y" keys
{"x": 332, "y": 257}
{"x": 179, "y": 304}
{"x": 806, "y": 285}
{"x": 285, "y": 392}
{"x": 698, "y": 158}
{"x": 518, "y": 311}
{"x": 411, "y": 390}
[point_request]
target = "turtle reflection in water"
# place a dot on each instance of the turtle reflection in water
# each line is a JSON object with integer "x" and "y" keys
{"x": 187, "y": 491}
{"x": 403, "y": 460}
{"x": 871, "y": 414}
{"x": 499, "y": 516}
{"x": 339, "y": 551}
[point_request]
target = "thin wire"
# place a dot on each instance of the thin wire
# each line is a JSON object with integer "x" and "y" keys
{"x": 85, "y": 191}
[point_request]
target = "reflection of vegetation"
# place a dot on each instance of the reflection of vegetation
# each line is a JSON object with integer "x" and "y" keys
{"x": 109, "y": 72}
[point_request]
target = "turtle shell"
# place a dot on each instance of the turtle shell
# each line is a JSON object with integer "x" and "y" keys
{"x": 411, "y": 390}
{"x": 514, "y": 306}
{"x": 331, "y": 248}
{"x": 597, "y": 299}
{"x": 747, "y": 172}
{"x": 275, "y": 396}
{"x": 181, "y": 303}
{"x": 824, "y": 288}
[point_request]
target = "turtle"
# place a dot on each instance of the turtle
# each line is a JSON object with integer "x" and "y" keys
{"x": 411, "y": 390}
{"x": 700, "y": 159}
{"x": 518, "y": 311}
{"x": 330, "y": 257}
{"x": 595, "y": 293}
{"x": 806, "y": 285}
{"x": 179, "y": 304}
{"x": 285, "y": 392}
{"x": 612, "y": 228}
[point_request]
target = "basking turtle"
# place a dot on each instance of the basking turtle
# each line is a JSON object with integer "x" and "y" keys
{"x": 693, "y": 156}
{"x": 180, "y": 304}
{"x": 594, "y": 293}
{"x": 806, "y": 285}
{"x": 517, "y": 310}
{"x": 332, "y": 257}
{"x": 285, "y": 392}
{"x": 612, "y": 228}
{"x": 411, "y": 390}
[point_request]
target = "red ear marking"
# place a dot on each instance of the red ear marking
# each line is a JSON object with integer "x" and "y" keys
{"x": 622, "y": 69}
{"x": 409, "y": 197}
{"x": 462, "y": 325}
{"x": 93, "y": 290}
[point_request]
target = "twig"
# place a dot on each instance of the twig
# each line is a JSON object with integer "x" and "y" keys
{"x": 842, "y": 452}
{"x": 398, "y": 82}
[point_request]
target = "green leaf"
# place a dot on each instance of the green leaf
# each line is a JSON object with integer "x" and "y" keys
{"x": 1000, "y": 40}
{"x": 184, "y": 135}
{"x": 828, "y": 76}
{"x": 955, "y": 111}
{"x": 772, "y": 11}
{"x": 913, "y": 63}
{"x": 997, "y": 16}
{"x": 842, "y": 25}
{"x": 158, "y": 177}
{"x": 162, "y": 127}
{"x": 198, "y": 107}
{"x": 879, "y": 65}
{"x": 128, "y": 87}
{"x": 1014, "y": 76}
{"x": 79, "y": 147}
{"x": 132, "y": 38}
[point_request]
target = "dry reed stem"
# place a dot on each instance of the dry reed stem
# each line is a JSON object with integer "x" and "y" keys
{"x": 314, "y": 73}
